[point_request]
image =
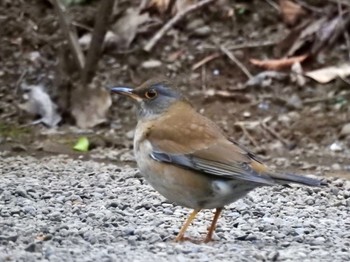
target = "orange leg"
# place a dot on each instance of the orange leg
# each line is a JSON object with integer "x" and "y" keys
{"x": 213, "y": 225}
{"x": 180, "y": 236}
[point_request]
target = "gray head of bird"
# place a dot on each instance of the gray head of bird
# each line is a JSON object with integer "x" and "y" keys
{"x": 154, "y": 97}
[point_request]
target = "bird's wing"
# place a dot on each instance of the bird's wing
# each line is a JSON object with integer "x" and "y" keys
{"x": 194, "y": 142}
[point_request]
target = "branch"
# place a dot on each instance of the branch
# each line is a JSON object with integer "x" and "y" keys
{"x": 70, "y": 34}
{"x": 154, "y": 40}
{"x": 236, "y": 61}
{"x": 101, "y": 23}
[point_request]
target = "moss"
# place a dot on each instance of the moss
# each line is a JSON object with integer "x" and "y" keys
{"x": 13, "y": 131}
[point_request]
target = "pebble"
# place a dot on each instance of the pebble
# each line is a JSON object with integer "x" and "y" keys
{"x": 84, "y": 211}
{"x": 151, "y": 64}
{"x": 345, "y": 130}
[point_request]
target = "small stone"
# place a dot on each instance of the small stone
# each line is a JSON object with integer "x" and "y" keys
{"x": 151, "y": 64}
{"x": 202, "y": 31}
{"x": 195, "y": 23}
{"x": 336, "y": 147}
{"x": 273, "y": 256}
{"x": 29, "y": 210}
{"x": 295, "y": 102}
{"x": 336, "y": 166}
{"x": 247, "y": 114}
{"x": 130, "y": 134}
{"x": 15, "y": 210}
{"x": 21, "y": 192}
{"x": 31, "y": 247}
{"x": 345, "y": 130}
{"x": 318, "y": 241}
{"x": 12, "y": 238}
{"x": 55, "y": 216}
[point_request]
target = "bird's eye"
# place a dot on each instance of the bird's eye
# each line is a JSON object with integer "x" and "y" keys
{"x": 150, "y": 94}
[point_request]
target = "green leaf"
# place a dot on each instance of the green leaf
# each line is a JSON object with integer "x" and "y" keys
{"x": 82, "y": 145}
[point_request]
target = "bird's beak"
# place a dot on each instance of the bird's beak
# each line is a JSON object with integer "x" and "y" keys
{"x": 125, "y": 91}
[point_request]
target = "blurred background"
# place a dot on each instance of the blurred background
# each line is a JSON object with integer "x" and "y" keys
{"x": 274, "y": 74}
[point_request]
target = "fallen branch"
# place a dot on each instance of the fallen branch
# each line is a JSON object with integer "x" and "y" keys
{"x": 154, "y": 40}
{"x": 236, "y": 61}
{"x": 205, "y": 60}
{"x": 247, "y": 135}
{"x": 275, "y": 134}
{"x": 70, "y": 34}
{"x": 102, "y": 19}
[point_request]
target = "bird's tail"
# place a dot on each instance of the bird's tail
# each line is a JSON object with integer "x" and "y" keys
{"x": 286, "y": 178}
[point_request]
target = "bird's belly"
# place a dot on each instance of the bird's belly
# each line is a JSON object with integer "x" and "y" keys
{"x": 185, "y": 187}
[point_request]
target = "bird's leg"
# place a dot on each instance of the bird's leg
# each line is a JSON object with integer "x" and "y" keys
{"x": 180, "y": 236}
{"x": 213, "y": 225}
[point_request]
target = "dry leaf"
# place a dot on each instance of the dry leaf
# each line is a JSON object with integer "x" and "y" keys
{"x": 90, "y": 106}
{"x": 39, "y": 103}
{"x": 175, "y": 55}
{"x": 126, "y": 27}
{"x": 327, "y": 74}
{"x": 291, "y": 11}
{"x": 181, "y": 5}
{"x": 278, "y": 64}
{"x": 161, "y": 5}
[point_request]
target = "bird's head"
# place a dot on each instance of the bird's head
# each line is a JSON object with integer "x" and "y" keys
{"x": 154, "y": 97}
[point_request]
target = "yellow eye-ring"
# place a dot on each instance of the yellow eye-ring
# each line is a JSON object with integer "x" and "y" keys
{"x": 150, "y": 94}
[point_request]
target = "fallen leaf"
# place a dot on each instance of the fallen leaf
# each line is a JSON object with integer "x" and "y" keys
{"x": 291, "y": 12}
{"x": 278, "y": 64}
{"x": 90, "y": 105}
{"x": 327, "y": 74}
{"x": 126, "y": 27}
{"x": 161, "y": 5}
{"x": 175, "y": 55}
{"x": 82, "y": 144}
{"x": 312, "y": 36}
{"x": 38, "y": 102}
{"x": 181, "y": 5}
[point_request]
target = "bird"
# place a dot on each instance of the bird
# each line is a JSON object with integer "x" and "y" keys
{"x": 188, "y": 159}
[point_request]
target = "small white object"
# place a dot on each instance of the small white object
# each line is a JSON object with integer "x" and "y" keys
{"x": 336, "y": 147}
{"x": 247, "y": 114}
{"x": 40, "y": 103}
{"x": 216, "y": 72}
{"x": 151, "y": 64}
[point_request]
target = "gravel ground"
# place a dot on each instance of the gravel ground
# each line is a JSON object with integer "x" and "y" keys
{"x": 59, "y": 209}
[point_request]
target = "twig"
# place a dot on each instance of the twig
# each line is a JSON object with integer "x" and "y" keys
{"x": 251, "y": 45}
{"x": 251, "y": 139}
{"x": 231, "y": 48}
{"x": 343, "y": 2}
{"x": 70, "y": 34}
{"x": 205, "y": 60}
{"x": 20, "y": 79}
{"x": 274, "y": 134}
{"x": 102, "y": 19}
{"x": 346, "y": 34}
{"x": 154, "y": 40}
{"x": 236, "y": 61}
{"x": 274, "y": 5}
{"x": 243, "y": 46}
{"x": 325, "y": 99}
{"x": 310, "y": 7}
{"x": 204, "y": 78}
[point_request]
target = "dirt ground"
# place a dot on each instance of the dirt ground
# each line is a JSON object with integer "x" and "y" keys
{"x": 302, "y": 123}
